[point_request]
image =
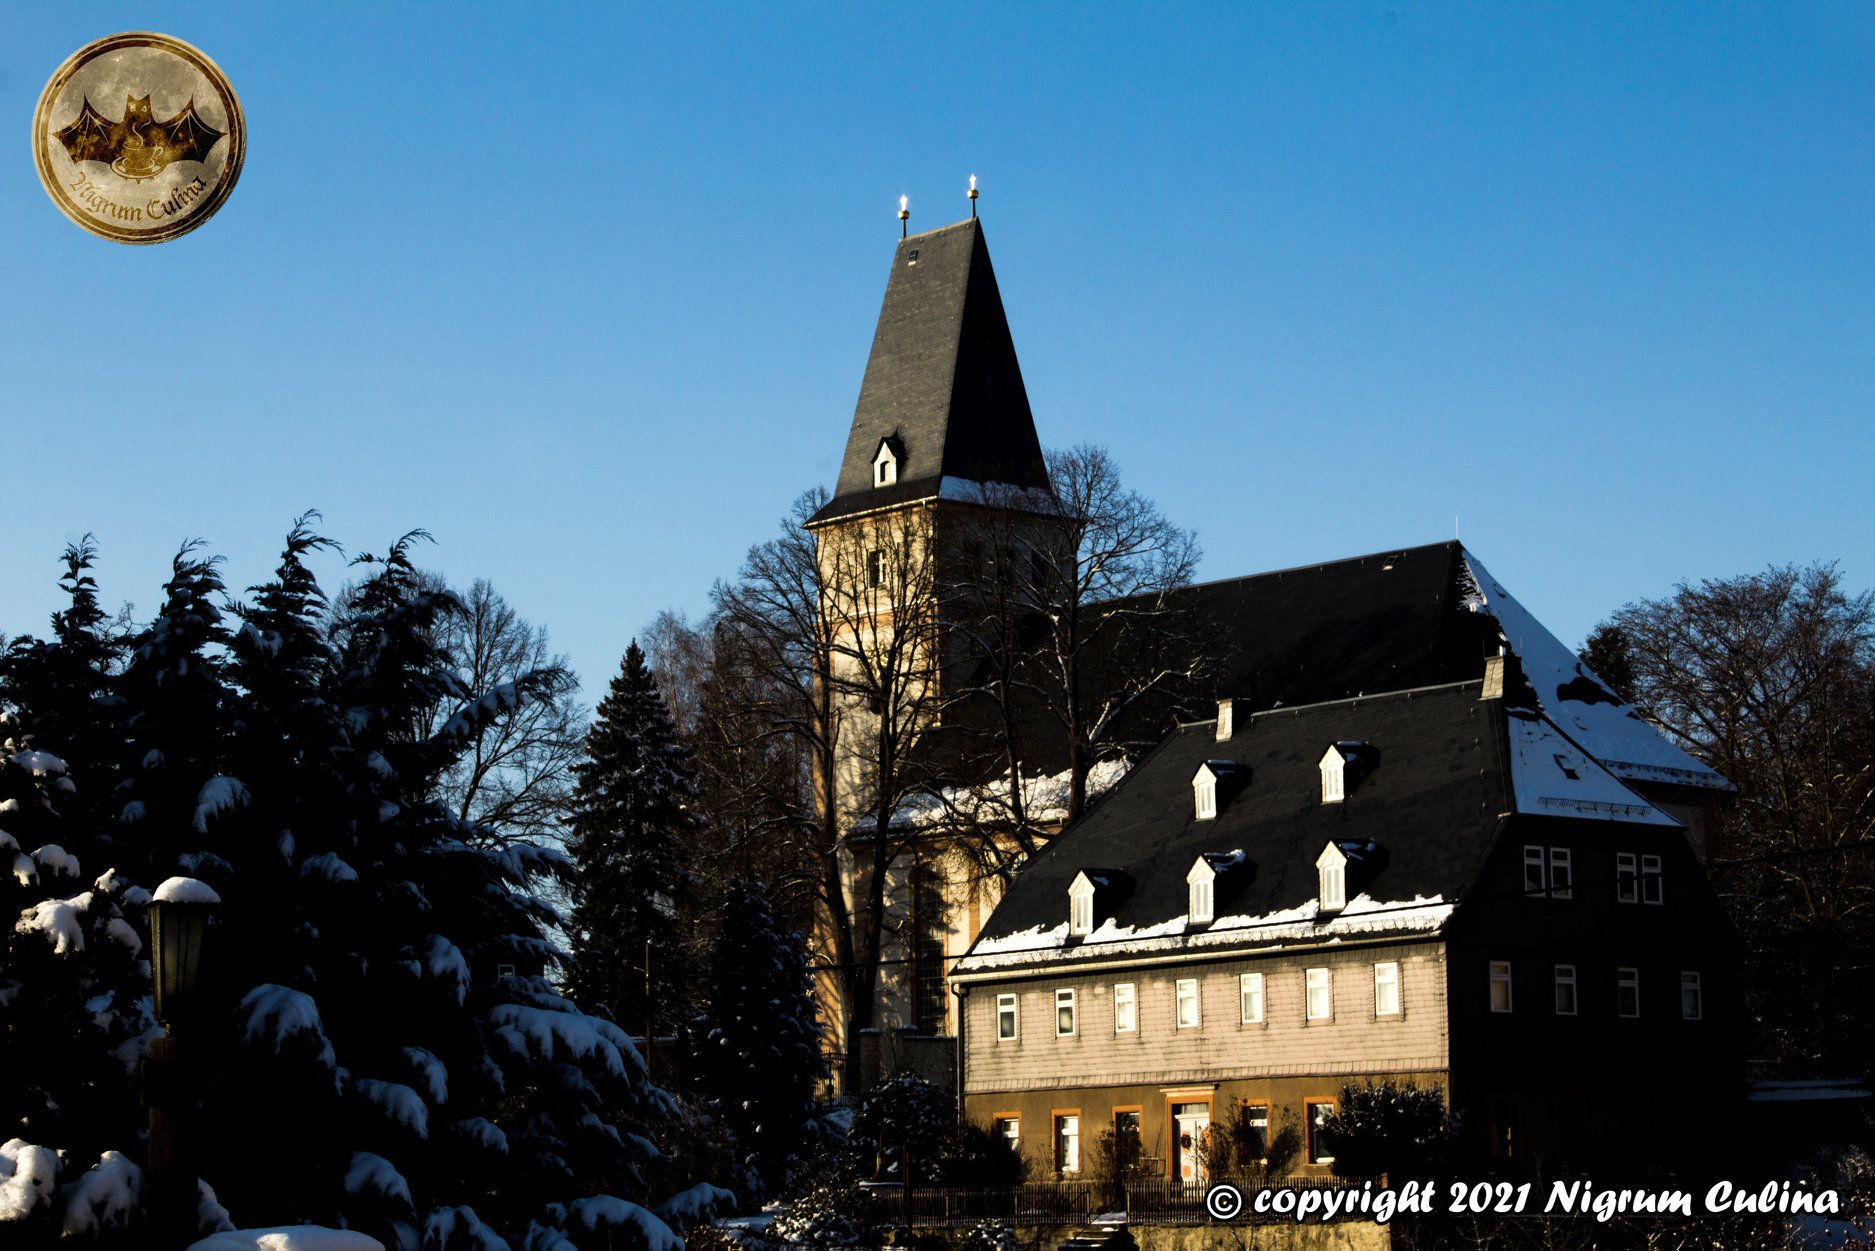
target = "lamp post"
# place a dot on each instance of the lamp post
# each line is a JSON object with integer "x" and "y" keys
{"x": 178, "y": 930}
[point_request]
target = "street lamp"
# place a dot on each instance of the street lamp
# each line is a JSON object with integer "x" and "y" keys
{"x": 178, "y": 927}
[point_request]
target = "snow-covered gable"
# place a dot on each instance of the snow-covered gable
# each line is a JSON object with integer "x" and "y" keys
{"x": 1578, "y": 701}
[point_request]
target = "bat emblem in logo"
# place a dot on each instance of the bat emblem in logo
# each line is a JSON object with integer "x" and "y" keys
{"x": 138, "y": 147}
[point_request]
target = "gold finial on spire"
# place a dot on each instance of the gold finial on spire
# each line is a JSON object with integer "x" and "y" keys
{"x": 973, "y": 197}
{"x": 904, "y": 214}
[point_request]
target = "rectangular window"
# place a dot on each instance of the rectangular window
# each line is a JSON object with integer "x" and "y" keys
{"x": 1627, "y": 877}
{"x": 1064, "y": 1013}
{"x": 1692, "y": 998}
{"x": 1125, "y": 1009}
{"x": 1187, "y": 1003}
{"x": 1628, "y": 992}
{"x": 1009, "y": 1129}
{"x": 1334, "y": 887}
{"x": 1068, "y": 1143}
{"x": 1206, "y": 800}
{"x": 1565, "y": 990}
{"x": 1561, "y": 874}
{"x": 1548, "y": 871}
{"x": 1200, "y": 901}
{"x": 1250, "y": 997}
{"x": 1320, "y": 994}
{"x": 1005, "y": 1018}
{"x": 1651, "y": 883}
{"x": 875, "y": 569}
{"x": 1318, "y": 1111}
{"x": 1081, "y": 912}
{"x": 1500, "y": 986}
{"x": 1387, "y": 989}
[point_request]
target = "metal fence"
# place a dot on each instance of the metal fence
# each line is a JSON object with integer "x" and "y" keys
{"x": 1154, "y": 1201}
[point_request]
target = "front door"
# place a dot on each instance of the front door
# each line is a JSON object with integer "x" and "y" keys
{"x": 1189, "y": 1123}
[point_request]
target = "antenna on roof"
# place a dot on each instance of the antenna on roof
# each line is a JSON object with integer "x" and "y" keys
{"x": 904, "y": 214}
{"x": 973, "y": 197}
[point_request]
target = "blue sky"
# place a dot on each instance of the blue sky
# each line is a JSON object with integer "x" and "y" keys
{"x": 587, "y": 292}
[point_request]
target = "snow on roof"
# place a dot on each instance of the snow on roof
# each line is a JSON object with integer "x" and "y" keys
{"x": 1826, "y": 1090}
{"x": 1551, "y": 776}
{"x": 1302, "y": 925}
{"x": 1576, "y": 699}
{"x": 186, "y": 890}
{"x": 1044, "y": 799}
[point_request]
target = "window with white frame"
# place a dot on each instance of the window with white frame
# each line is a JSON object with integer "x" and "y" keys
{"x": 1500, "y": 986}
{"x": 1080, "y": 906}
{"x": 1627, "y": 877}
{"x": 1005, "y": 1018}
{"x": 1628, "y": 992}
{"x": 1009, "y": 1129}
{"x": 1652, "y": 885}
{"x": 1318, "y": 1111}
{"x": 1250, "y": 998}
{"x": 1334, "y": 768}
{"x": 1201, "y": 894}
{"x": 1548, "y": 871}
{"x": 1064, "y": 1013}
{"x": 1565, "y": 990}
{"x": 1331, "y": 868}
{"x": 1204, "y": 795}
{"x": 1068, "y": 1143}
{"x": 1387, "y": 988}
{"x": 1185, "y": 1003}
{"x": 1319, "y": 994}
{"x": 1692, "y": 997}
{"x": 1125, "y": 1008}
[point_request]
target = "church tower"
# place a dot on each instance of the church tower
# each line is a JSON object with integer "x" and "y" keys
{"x": 942, "y": 440}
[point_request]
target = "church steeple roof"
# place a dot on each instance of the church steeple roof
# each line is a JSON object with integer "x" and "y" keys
{"x": 942, "y": 383}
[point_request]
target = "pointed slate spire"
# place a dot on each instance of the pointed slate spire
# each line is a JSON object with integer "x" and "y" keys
{"x": 943, "y": 390}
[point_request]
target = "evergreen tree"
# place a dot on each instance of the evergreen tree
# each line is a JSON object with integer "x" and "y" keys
{"x": 378, "y": 1047}
{"x": 759, "y": 1053}
{"x": 633, "y": 812}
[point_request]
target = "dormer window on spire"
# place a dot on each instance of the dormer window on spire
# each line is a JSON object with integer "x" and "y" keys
{"x": 885, "y": 463}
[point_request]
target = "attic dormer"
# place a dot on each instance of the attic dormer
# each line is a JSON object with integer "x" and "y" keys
{"x": 1343, "y": 766}
{"x": 1331, "y": 868}
{"x": 1210, "y": 873}
{"x": 1343, "y": 867}
{"x": 1092, "y": 897}
{"x": 885, "y": 461}
{"x": 1213, "y": 785}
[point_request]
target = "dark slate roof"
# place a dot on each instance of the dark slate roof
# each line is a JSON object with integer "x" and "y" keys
{"x": 943, "y": 378}
{"x": 1386, "y": 622}
{"x": 1431, "y": 802}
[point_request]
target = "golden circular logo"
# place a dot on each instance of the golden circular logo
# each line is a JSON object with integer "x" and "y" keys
{"x": 139, "y": 137}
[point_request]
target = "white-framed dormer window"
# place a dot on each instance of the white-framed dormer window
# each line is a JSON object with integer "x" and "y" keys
{"x": 1204, "y": 795}
{"x": 1250, "y": 997}
{"x": 1334, "y": 768}
{"x": 1332, "y": 868}
{"x": 1064, "y": 1014}
{"x": 1080, "y": 906}
{"x": 1201, "y": 882}
{"x": 1005, "y": 1018}
{"x": 884, "y": 465}
{"x": 1125, "y": 1008}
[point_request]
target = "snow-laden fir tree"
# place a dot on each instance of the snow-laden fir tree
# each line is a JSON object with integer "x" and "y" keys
{"x": 379, "y": 1048}
{"x": 758, "y": 1045}
{"x": 633, "y": 812}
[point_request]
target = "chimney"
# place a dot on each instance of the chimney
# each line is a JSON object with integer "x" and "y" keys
{"x": 1224, "y": 720}
{"x": 1500, "y": 671}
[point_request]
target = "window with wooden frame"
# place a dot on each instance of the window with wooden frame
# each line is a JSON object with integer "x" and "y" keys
{"x": 1318, "y": 991}
{"x": 1250, "y": 998}
{"x": 1005, "y": 1018}
{"x": 1064, "y": 1014}
{"x": 1387, "y": 988}
{"x": 1185, "y": 1011}
{"x": 1125, "y": 1008}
